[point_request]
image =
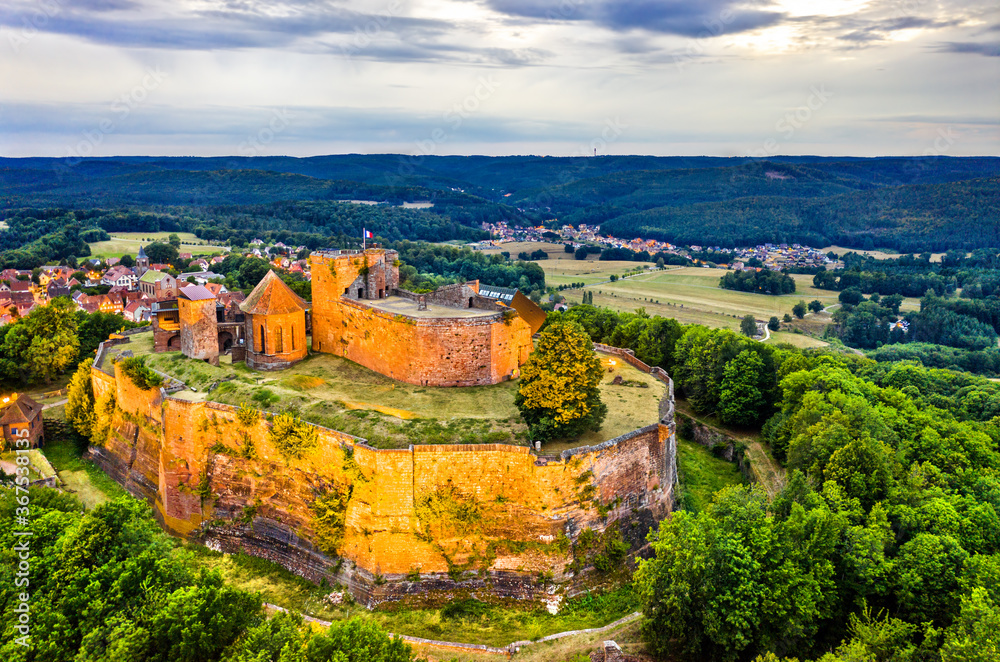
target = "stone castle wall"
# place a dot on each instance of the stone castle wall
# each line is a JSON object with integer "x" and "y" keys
{"x": 452, "y": 351}
{"x": 395, "y": 512}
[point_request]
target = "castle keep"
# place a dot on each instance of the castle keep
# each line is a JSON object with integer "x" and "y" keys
{"x": 454, "y": 336}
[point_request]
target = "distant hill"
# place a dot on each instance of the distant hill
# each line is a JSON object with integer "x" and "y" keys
{"x": 907, "y": 204}
{"x": 964, "y": 214}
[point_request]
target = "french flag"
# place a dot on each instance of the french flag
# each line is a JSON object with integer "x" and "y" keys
{"x": 369, "y": 235}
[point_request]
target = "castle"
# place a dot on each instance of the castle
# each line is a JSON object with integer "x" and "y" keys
{"x": 458, "y": 335}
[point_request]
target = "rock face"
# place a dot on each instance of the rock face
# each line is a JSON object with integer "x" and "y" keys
{"x": 389, "y": 524}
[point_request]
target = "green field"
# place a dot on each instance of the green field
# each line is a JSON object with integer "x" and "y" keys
{"x": 343, "y": 395}
{"x": 122, "y": 243}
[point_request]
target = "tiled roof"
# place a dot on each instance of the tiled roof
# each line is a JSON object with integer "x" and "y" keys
{"x": 272, "y": 297}
{"x": 22, "y": 410}
{"x": 195, "y": 293}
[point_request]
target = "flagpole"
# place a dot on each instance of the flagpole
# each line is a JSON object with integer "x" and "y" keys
{"x": 364, "y": 239}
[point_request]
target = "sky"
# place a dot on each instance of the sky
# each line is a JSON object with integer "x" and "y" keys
{"x": 558, "y": 77}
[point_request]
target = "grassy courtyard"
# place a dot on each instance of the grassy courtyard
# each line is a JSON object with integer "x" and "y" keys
{"x": 343, "y": 395}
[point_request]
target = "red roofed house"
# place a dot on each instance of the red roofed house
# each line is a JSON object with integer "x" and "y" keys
{"x": 21, "y": 419}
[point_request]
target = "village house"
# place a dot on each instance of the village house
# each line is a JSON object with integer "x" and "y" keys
{"x": 158, "y": 285}
{"x": 121, "y": 276}
{"x": 21, "y": 419}
{"x": 137, "y": 311}
{"x": 56, "y": 287}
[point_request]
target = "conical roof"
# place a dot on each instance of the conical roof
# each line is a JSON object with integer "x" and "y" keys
{"x": 273, "y": 297}
{"x": 142, "y": 253}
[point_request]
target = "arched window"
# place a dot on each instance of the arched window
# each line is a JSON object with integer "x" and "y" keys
{"x": 293, "y": 337}
{"x": 262, "y": 345}
{"x": 279, "y": 341}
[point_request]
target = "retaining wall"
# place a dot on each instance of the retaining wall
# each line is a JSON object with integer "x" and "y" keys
{"x": 400, "y": 511}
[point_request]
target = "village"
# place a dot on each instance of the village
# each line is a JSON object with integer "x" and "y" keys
{"x": 764, "y": 256}
{"x": 130, "y": 286}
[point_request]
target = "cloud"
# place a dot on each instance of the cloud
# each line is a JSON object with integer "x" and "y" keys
{"x": 684, "y": 18}
{"x": 881, "y": 30}
{"x": 976, "y": 48}
{"x": 234, "y": 25}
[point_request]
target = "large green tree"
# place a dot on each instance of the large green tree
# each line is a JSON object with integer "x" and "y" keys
{"x": 559, "y": 394}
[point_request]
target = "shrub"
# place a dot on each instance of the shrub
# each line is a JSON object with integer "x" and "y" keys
{"x": 139, "y": 373}
{"x": 292, "y": 437}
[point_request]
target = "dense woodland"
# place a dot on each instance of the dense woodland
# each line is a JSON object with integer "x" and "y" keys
{"x": 912, "y": 204}
{"x": 764, "y": 281}
{"x": 885, "y": 543}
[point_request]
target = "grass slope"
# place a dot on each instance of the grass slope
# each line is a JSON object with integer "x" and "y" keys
{"x": 702, "y": 474}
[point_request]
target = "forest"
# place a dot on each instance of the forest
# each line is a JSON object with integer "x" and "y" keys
{"x": 884, "y": 543}
{"x": 911, "y": 204}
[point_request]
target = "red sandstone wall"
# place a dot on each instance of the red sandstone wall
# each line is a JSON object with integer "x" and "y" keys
{"x": 185, "y": 458}
{"x": 435, "y": 352}
{"x": 285, "y": 332}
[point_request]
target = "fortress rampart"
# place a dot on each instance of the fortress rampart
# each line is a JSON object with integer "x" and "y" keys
{"x": 463, "y": 339}
{"x": 389, "y": 524}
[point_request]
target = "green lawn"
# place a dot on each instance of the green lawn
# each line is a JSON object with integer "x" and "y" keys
{"x": 79, "y": 476}
{"x": 129, "y": 242}
{"x": 339, "y": 394}
{"x": 702, "y": 474}
{"x": 477, "y": 623}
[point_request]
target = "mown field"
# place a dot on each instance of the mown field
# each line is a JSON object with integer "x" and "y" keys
{"x": 129, "y": 242}
{"x": 692, "y": 295}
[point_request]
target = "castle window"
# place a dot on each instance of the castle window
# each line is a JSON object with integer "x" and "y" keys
{"x": 280, "y": 346}
{"x": 261, "y": 346}
{"x": 293, "y": 337}
{"x": 361, "y": 293}
{"x": 347, "y": 291}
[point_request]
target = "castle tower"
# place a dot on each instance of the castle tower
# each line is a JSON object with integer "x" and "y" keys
{"x": 199, "y": 325}
{"x": 275, "y": 327}
{"x": 141, "y": 262}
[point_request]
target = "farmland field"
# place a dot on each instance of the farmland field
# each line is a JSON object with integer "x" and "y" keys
{"x": 129, "y": 242}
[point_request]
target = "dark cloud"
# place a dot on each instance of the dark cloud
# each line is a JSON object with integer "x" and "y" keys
{"x": 976, "y": 48}
{"x": 241, "y": 24}
{"x": 705, "y": 18}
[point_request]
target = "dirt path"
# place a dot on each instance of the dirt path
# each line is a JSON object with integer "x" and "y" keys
{"x": 506, "y": 651}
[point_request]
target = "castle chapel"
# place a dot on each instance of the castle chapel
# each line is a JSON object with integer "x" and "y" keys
{"x": 458, "y": 335}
